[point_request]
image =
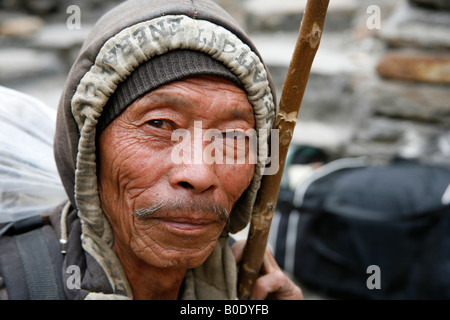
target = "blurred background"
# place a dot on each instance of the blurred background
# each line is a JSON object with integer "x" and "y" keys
{"x": 379, "y": 86}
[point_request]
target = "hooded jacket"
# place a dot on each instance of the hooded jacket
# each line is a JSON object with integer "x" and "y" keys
{"x": 127, "y": 36}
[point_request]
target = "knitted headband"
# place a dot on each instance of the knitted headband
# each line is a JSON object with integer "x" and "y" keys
{"x": 169, "y": 67}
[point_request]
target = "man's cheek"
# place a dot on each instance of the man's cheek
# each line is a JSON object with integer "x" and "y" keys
{"x": 236, "y": 179}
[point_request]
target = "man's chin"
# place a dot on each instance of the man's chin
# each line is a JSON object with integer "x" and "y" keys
{"x": 181, "y": 258}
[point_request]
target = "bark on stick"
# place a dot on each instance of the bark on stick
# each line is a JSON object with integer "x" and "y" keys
{"x": 294, "y": 87}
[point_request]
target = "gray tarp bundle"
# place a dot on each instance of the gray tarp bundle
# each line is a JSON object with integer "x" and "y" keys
{"x": 29, "y": 181}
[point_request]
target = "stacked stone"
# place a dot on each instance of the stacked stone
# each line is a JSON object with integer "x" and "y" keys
{"x": 407, "y": 109}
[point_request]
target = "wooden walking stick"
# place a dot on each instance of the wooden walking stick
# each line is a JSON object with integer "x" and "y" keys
{"x": 294, "y": 87}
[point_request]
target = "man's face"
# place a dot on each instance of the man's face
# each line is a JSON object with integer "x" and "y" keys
{"x": 165, "y": 213}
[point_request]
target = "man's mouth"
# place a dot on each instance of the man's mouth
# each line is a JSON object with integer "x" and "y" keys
{"x": 186, "y": 226}
{"x": 187, "y": 213}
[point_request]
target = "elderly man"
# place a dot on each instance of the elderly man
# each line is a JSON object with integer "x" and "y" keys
{"x": 138, "y": 224}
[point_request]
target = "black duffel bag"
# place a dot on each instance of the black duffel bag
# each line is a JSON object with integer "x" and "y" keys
{"x": 368, "y": 232}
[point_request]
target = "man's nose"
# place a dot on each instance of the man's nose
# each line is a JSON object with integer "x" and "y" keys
{"x": 197, "y": 178}
{"x": 197, "y": 173}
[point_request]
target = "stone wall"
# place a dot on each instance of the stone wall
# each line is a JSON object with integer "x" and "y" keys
{"x": 407, "y": 104}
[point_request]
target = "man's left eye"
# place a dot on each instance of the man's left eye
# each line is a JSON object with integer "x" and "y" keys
{"x": 160, "y": 124}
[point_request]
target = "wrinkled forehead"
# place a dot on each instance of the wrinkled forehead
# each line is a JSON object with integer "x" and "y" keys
{"x": 208, "y": 96}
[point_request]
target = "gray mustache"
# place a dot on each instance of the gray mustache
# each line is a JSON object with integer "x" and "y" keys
{"x": 166, "y": 207}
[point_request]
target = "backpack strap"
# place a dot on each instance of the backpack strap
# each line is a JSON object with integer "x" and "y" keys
{"x": 27, "y": 267}
{"x": 40, "y": 273}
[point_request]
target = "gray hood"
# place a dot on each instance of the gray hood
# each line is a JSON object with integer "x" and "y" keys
{"x": 122, "y": 39}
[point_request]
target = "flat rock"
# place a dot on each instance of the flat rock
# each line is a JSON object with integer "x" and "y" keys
{"x": 412, "y": 101}
{"x": 433, "y": 67}
{"x": 411, "y": 26}
{"x": 21, "y": 27}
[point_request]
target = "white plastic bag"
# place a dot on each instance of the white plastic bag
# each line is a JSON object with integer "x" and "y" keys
{"x": 29, "y": 181}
